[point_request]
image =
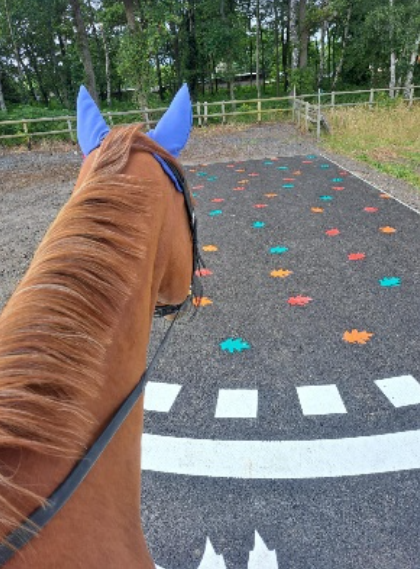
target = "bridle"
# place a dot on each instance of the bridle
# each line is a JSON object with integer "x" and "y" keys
{"x": 170, "y": 309}
{"x": 30, "y": 528}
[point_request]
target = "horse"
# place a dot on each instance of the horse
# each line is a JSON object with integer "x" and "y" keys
{"x": 73, "y": 344}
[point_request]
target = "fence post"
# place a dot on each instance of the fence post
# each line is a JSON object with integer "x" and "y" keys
{"x": 111, "y": 120}
{"x": 223, "y": 113}
{"x": 411, "y": 99}
{"x": 259, "y": 110}
{"x": 206, "y": 112}
{"x": 371, "y": 98}
{"x": 333, "y": 99}
{"x": 199, "y": 113}
{"x": 146, "y": 115}
{"x": 26, "y": 131}
{"x": 306, "y": 116}
{"x": 70, "y": 130}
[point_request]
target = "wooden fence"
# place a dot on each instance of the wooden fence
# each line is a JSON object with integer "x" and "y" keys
{"x": 306, "y": 110}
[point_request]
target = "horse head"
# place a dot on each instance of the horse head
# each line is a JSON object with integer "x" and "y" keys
{"x": 164, "y": 143}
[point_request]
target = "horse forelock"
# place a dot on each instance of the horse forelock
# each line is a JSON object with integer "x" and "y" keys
{"x": 57, "y": 326}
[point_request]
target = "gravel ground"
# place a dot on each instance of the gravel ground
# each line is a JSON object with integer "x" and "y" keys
{"x": 34, "y": 184}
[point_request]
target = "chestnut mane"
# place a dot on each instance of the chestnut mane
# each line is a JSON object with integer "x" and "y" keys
{"x": 57, "y": 326}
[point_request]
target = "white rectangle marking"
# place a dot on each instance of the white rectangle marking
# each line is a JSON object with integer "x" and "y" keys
{"x": 400, "y": 391}
{"x": 160, "y": 396}
{"x": 320, "y": 400}
{"x": 237, "y": 404}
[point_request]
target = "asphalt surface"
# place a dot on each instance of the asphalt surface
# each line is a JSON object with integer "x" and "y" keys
{"x": 343, "y": 313}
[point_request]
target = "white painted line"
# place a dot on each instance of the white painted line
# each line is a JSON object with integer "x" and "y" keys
{"x": 282, "y": 459}
{"x": 160, "y": 396}
{"x": 371, "y": 184}
{"x": 401, "y": 391}
{"x": 320, "y": 400}
{"x": 237, "y": 404}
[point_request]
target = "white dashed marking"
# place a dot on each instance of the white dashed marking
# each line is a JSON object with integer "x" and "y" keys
{"x": 314, "y": 399}
{"x": 237, "y": 404}
{"x": 160, "y": 396}
{"x": 400, "y": 391}
{"x": 320, "y": 400}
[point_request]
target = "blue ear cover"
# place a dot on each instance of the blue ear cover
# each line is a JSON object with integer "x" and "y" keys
{"x": 171, "y": 132}
{"x": 173, "y": 129}
{"x": 91, "y": 126}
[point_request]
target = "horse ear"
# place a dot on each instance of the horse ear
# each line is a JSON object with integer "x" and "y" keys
{"x": 91, "y": 126}
{"x": 173, "y": 129}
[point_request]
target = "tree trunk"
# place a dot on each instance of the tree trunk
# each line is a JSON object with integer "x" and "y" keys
{"x": 285, "y": 39}
{"x": 107, "y": 67}
{"x": 392, "y": 74}
{"x": 321, "y": 70}
{"x": 277, "y": 46}
{"x": 129, "y": 12}
{"x": 410, "y": 72}
{"x": 2, "y": 103}
{"x": 294, "y": 36}
{"x": 192, "y": 50}
{"x": 229, "y": 58}
{"x": 344, "y": 44}
{"x": 262, "y": 59}
{"x": 84, "y": 48}
{"x": 393, "y": 57}
{"x": 251, "y": 64}
{"x": 258, "y": 50}
{"x": 303, "y": 35}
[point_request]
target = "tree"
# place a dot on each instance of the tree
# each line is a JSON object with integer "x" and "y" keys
{"x": 294, "y": 32}
{"x": 84, "y": 48}
{"x": 155, "y": 45}
{"x": 392, "y": 36}
{"x": 345, "y": 38}
{"x": 303, "y": 35}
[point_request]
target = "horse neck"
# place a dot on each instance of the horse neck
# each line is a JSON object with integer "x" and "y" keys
{"x": 106, "y": 505}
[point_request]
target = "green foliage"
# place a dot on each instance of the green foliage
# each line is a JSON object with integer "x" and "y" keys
{"x": 196, "y": 41}
{"x": 133, "y": 63}
{"x": 304, "y": 79}
{"x": 385, "y": 137}
{"x": 32, "y": 112}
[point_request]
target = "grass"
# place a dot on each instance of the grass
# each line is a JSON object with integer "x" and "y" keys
{"x": 387, "y": 138}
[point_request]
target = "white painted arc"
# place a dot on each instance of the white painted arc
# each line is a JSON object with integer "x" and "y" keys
{"x": 300, "y": 459}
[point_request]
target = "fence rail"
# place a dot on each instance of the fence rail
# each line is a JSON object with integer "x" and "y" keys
{"x": 306, "y": 110}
